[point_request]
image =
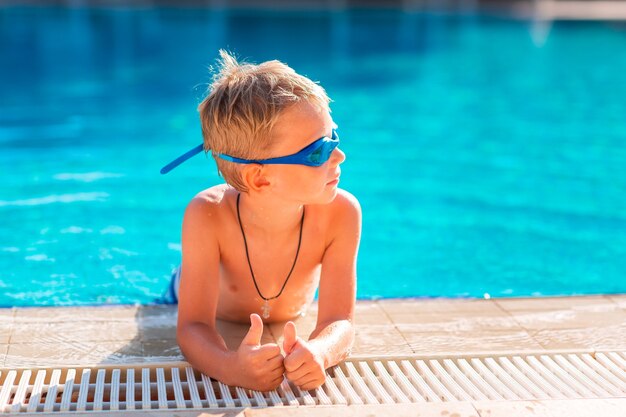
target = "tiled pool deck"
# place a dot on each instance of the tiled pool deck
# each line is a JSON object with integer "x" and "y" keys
{"x": 75, "y": 336}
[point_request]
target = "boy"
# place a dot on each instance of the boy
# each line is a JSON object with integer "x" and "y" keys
{"x": 264, "y": 242}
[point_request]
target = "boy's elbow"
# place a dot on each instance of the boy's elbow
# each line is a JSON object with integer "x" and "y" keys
{"x": 185, "y": 335}
{"x": 182, "y": 337}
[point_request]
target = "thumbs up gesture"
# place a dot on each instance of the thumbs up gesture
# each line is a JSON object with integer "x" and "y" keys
{"x": 304, "y": 365}
{"x": 260, "y": 366}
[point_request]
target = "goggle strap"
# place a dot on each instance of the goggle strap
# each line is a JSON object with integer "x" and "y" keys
{"x": 176, "y": 162}
{"x": 194, "y": 151}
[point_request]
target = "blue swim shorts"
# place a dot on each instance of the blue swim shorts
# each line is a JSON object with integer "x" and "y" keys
{"x": 171, "y": 295}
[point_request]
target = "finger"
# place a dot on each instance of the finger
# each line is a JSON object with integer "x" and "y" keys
{"x": 307, "y": 381}
{"x": 278, "y": 371}
{"x": 270, "y": 384}
{"x": 310, "y": 379}
{"x": 275, "y": 373}
{"x": 275, "y": 362}
{"x": 253, "y": 337}
{"x": 290, "y": 337}
{"x": 277, "y": 381}
{"x": 298, "y": 374}
{"x": 294, "y": 360}
{"x": 269, "y": 351}
{"x": 307, "y": 386}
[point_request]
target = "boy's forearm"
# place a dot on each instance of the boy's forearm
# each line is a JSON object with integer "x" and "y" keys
{"x": 206, "y": 351}
{"x": 334, "y": 341}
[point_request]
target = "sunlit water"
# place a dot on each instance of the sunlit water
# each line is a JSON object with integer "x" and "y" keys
{"x": 487, "y": 159}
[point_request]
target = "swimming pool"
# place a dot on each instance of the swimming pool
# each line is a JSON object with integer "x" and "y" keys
{"x": 485, "y": 162}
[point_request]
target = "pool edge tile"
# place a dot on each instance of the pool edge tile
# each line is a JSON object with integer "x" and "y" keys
{"x": 618, "y": 299}
{"x": 4, "y": 351}
{"x": 426, "y": 409}
{"x": 375, "y": 333}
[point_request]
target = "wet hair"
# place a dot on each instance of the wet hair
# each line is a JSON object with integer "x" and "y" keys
{"x": 242, "y": 106}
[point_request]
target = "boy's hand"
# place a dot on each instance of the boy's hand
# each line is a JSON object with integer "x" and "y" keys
{"x": 260, "y": 367}
{"x": 304, "y": 366}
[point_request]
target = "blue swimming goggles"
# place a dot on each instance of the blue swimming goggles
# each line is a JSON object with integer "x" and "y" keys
{"x": 313, "y": 155}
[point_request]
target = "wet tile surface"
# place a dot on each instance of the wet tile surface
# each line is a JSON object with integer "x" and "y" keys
{"x": 601, "y": 338}
{"x": 114, "y": 334}
{"x": 460, "y": 409}
{"x": 463, "y": 342}
{"x": 379, "y": 340}
{"x": 6, "y": 315}
{"x": 458, "y": 322}
{"x": 371, "y": 313}
{"x": 6, "y": 329}
{"x": 438, "y": 305}
{"x": 557, "y": 313}
{"x": 511, "y": 409}
{"x": 3, "y": 353}
{"x": 76, "y": 314}
{"x": 553, "y": 408}
{"x": 619, "y": 300}
{"x": 68, "y": 332}
{"x": 72, "y": 353}
{"x": 550, "y": 303}
{"x": 161, "y": 351}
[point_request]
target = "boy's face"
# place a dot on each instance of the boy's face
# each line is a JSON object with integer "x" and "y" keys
{"x": 297, "y": 127}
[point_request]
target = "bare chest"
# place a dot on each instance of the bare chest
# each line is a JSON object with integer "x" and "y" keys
{"x": 276, "y": 271}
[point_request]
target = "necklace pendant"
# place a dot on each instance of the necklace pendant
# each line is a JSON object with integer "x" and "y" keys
{"x": 266, "y": 310}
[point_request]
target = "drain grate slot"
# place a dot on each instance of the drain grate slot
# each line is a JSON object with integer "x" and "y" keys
{"x": 367, "y": 381}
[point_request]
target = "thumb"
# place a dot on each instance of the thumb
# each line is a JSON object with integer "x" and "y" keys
{"x": 290, "y": 337}
{"x": 253, "y": 337}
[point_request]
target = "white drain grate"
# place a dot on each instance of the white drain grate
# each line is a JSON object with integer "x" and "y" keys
{"x": 367, "y": 381}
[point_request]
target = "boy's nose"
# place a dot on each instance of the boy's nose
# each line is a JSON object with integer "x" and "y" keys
{"x": 338, "y": 156}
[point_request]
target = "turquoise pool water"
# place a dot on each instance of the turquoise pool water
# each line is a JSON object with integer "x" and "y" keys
{"x": 487, "y": 158}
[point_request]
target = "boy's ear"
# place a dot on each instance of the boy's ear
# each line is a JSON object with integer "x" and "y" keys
{"x": 254, "y": 177}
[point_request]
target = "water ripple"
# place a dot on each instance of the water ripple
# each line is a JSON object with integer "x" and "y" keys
{"x": 86, "y": 176}
{"x": 116, "y": 230}
{"x": 56, "y": 198}
{"x": 39, "y": 257}
{"x": 75, "y": 230}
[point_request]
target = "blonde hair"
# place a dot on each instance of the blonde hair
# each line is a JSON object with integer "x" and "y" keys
{"x": 242, "y": 107}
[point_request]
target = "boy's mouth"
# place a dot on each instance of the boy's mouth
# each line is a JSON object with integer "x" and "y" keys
{"x": 335, "y": 179}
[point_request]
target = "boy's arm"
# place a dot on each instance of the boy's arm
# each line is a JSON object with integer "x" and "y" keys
{"x": 252, "y": 365}
{"x": 333, "y": 336}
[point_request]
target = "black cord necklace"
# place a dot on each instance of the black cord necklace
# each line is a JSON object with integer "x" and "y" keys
{"x": 266, "y": 305}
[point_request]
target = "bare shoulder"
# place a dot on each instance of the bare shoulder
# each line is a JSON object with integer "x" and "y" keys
{"x": 208, "y": 204}
{"x": 214, "y": 195}
{"x": 344, "y": 205}
{"x": 343, "y": 217}
{"x": 205, "y": 215}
